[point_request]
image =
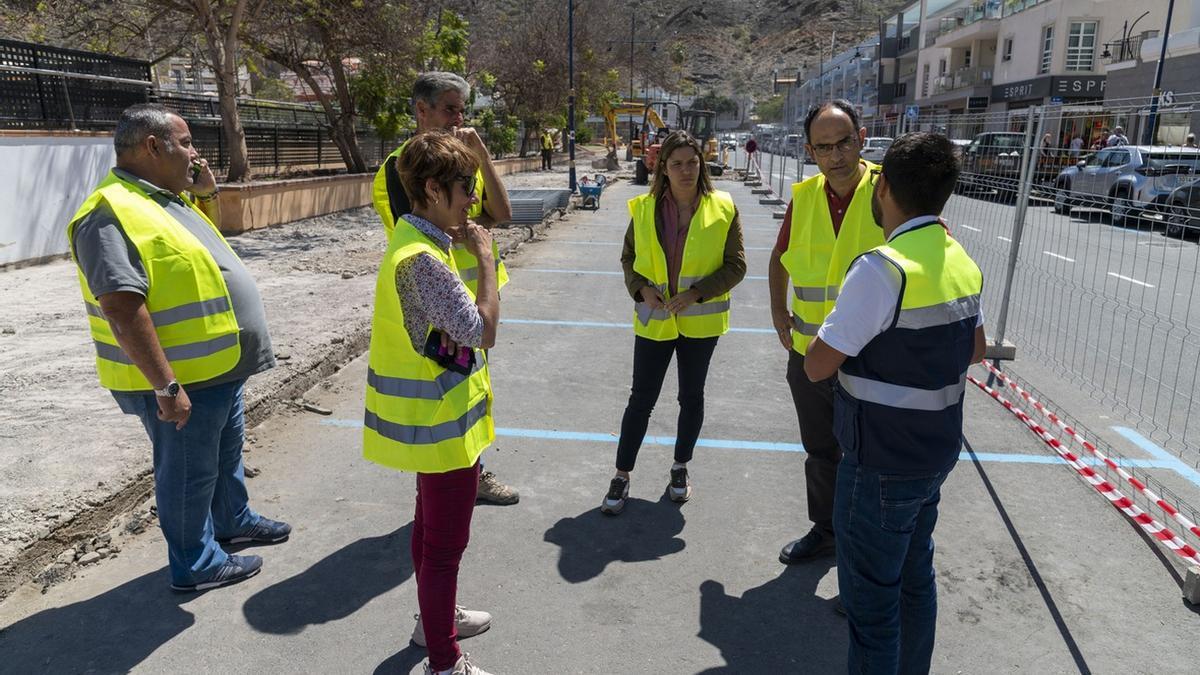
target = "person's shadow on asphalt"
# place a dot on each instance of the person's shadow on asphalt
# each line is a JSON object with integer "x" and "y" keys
{"x": 779, "y": 627}
{"x": 644, "y": 531}
{"x": 112, "y": 632}
{"x": 334, "y": 587}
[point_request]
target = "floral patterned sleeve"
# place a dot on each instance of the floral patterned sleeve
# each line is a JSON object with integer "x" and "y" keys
{"x": 431, "y": 293}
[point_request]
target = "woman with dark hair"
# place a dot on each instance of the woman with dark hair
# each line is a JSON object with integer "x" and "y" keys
{"x": 682, "y": 255}
{"x": 429, "y": 397}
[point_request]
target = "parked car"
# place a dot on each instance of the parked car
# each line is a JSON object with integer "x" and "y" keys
{"x": 791, "y": 145}
{"x": 875, "y": 148}
{"x": 992, "y": 162}
{"x": 960, "y": 144}
{"x": 729, "y": 141}
{"x": 1130, "y": 180}
{"x": 1183, "y": 209}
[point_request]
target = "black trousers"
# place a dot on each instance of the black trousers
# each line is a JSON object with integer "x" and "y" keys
{"x": 814, "y": 410}
{"x": 546, "y": 155}
{"x": 651, "y": 358}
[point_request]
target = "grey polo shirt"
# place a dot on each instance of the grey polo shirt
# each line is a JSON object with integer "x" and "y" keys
{"x": 110, "y": 262}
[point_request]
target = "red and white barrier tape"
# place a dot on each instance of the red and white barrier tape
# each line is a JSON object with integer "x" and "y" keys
{"x": 1090, "y": 447}
{"x": 1136, "y": 514}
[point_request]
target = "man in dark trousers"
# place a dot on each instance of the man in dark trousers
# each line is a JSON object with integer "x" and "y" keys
{"x": 906, "y": 326}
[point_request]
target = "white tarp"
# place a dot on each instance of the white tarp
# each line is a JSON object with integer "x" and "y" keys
{"x": 43, "y": 180}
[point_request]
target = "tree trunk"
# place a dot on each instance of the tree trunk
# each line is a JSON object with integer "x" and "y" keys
{"x": 344, "y": 132}
{"x": 222, "y": 45}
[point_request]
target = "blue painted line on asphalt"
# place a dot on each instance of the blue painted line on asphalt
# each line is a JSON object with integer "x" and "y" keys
{"x": 610, "y": 273}
{"x": 765, "y": 446}
{"x": 1159, "y": 453}
{"x": 605, "y": 324}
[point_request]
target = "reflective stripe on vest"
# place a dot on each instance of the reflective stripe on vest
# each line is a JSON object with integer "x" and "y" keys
{"x": 939, "y": 314}
{"x": 703, "y": 254}
{"x": 466, "y": 262}
{"x": 806, "y": 329}
{"x": 898, "y": 396}
{"x": 419, "y": 416}
{"x": 187, "y": 298}
{"x": 816, "y": 259}
{"x": 411, "y": 434}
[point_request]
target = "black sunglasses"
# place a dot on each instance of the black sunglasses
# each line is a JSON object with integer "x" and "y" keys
{"x": 468, "y": 183}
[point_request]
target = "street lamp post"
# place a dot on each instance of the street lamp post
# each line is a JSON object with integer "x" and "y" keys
{"x": 1152, "y": 120}
{"x": 632, "y": 42}
{"x": 571, "y": 95}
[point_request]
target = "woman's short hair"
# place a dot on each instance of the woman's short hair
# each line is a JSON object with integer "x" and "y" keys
{"x": 674, "y": 141}
{"x": 436, "y": 154}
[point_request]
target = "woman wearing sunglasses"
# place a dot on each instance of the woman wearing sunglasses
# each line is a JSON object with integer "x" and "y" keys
{"x": 429, "y": 397}
{"x": 683, "y": 254}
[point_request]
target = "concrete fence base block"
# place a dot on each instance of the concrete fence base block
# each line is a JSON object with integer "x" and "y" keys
{"x": 1191, "y": 586}
{"x": 773, "y": 201}
{"x": 1005, "y": 351}
{"x": 752, "y": 183}
{"x": 778, "y": 215}
{"x": 760, "y": 191}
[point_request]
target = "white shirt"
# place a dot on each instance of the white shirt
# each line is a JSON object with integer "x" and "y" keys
{"x": 866, "y": 305}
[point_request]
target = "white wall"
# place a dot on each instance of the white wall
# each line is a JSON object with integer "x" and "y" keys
{"x": 43, "y": 180}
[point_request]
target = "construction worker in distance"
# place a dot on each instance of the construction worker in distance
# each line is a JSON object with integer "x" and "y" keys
{"x": 547, "y": 149}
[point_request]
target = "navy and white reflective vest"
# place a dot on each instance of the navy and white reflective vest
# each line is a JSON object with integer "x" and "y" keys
{"x": 898, "y": 406}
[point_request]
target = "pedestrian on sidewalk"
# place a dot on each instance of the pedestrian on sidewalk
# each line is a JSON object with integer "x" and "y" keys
{"x": 682, "y": 256}
{"x": 178, "y": 327}
{"x": 905, "y": 328}
{"x": 827, "y": 224}
{"x": 547, "y": 149}
{"x": 433, "y": 417}
{"x": 439, "y": 102}
{"x": 752, "y": 157}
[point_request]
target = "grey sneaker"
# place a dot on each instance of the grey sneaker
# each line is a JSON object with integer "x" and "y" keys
{"x": 469, "y": 624}
{"x": 265, "y": 531}
{"x": 492, "y": 490}
{"x": 461, "y": 667}
{"x": 236, "y": 568}
{"x": 614, "y": 501}
{"x": 680, "y": 487}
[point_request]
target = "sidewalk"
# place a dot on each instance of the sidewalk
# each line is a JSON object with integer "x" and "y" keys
{"x": 70, "y": 462}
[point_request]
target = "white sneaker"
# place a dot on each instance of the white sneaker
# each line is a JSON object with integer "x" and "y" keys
{"x": 469, "y": 624}
{"x": 614, "y": 500}
{"x": 461, "y": 667}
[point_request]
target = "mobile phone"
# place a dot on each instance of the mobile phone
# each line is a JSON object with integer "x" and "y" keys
{"x": 196, "y": 169}
{"x": 462, "y": 361}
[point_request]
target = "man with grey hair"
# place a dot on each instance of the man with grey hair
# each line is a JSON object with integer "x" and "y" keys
{"x": 178, "y": 326}
{"x": 439, "y": 101}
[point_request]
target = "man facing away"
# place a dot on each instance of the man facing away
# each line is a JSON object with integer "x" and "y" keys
{"x": 906, "y": 326}
{"x": 178, "y": 326}
{"x": 439, "y": 101}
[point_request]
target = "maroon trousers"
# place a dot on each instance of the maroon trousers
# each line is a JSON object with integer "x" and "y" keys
{"x": 441, "y": 530}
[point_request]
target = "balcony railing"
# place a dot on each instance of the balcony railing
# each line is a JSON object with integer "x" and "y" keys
{"x": 980, "y": 11}
{"x": 1127, "y": 49}
{"x": 962, "y": 79}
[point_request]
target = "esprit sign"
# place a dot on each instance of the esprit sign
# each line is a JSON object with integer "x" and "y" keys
{"x": 1066, "y": 86}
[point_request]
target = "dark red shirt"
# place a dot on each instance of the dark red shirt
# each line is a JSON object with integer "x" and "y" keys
{"x": 837, "y": 213}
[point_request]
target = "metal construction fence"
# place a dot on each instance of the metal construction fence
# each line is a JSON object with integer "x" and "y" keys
{"x": 1088, "y": 242}
{"x": 1084, "y": 236}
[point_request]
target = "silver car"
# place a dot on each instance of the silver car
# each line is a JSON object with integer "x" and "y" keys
{"x": 1132, "y": 181}
{"x": 875, "y": 148}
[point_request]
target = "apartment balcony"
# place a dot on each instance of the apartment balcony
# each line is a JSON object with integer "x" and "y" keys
{"x": 963, "y": 78}
{"x": 909, "y": 42}
{"x": 980, "y": 21}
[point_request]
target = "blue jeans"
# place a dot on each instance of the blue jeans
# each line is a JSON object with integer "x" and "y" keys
{"x": 199, "y": 481}
{"x": 884, "y": 528}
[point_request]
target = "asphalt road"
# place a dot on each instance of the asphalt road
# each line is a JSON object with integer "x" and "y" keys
{"x": 1037, "y": 572}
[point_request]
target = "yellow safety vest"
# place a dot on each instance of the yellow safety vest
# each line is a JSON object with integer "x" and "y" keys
{"x": 816, "y": 259}
{"x": 187, "y": 300}
{"x": 547, "y": 142}
{"x": 420, "y": 417}
{"x": 467, "y": 264}
{"x": 703, "y": 254}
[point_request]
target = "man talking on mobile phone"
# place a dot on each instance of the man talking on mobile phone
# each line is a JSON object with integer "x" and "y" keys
{"x": 178, "y": 326}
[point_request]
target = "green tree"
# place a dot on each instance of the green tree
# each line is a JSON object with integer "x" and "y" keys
{"x": 770, "y": 110}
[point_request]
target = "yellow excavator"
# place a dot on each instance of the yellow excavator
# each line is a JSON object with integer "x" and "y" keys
{"x": 701, "y": 124}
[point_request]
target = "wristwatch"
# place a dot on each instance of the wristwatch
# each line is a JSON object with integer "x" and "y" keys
{"x": 169, "y": 391}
